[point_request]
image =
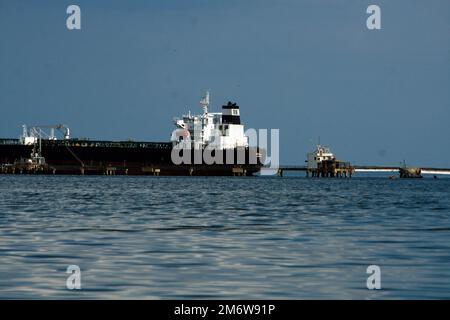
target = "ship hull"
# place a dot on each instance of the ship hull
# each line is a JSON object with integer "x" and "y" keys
{"x": 84, "y": 157}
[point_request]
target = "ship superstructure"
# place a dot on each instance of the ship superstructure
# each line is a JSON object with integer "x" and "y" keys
{"x": 218, "y": 130}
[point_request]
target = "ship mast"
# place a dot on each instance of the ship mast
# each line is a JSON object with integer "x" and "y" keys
{"x": 205, "y": 103}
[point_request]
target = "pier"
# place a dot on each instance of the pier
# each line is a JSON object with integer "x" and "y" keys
{"x": 357, "y": 168}
{"x": 337, "y": 169}
{"x": 322, "y": 163}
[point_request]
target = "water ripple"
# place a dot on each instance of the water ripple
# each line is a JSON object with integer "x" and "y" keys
{"x": 147, "y": 237}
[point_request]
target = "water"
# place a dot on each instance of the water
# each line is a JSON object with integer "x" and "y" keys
{"x": 171, "y": 238}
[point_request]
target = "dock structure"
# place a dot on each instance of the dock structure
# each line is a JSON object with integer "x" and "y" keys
{"x": 25, "y": 167}
{"x": 404, "y": 171}
{"x": 322, "y": 163}
{"x": 332, "y": 169}
{"x": 352, "y": 170}
{"x": 281, "y": 169}
{"x": 328, "y": 169}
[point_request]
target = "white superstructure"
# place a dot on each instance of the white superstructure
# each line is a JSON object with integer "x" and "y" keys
{"x": 219, "y": 130}
{"x": 320, "y": 154}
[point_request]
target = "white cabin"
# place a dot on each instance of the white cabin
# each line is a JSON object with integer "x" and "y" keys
{"x": 220, "y": 130}
{"x": 320, "y": 154}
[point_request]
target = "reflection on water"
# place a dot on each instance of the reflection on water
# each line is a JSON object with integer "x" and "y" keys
{"x": 169, "y": 237}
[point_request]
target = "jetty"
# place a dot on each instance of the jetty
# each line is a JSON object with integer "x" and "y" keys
{"x": 322, "y": 163}
{"x": 361, "y": 169}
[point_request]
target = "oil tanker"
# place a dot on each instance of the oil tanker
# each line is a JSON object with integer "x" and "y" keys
{"x": 210, "y": 144}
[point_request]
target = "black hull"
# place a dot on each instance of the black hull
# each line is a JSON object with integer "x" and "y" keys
{"x": 83, "y": 157}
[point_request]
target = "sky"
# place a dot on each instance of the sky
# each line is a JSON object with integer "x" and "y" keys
{"x": 309, "y": 68}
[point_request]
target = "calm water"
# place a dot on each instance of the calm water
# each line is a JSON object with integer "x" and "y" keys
{"x": 163, "y": 237}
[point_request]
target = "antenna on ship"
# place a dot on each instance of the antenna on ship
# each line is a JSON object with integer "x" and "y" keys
{"x": 205, "y": 103}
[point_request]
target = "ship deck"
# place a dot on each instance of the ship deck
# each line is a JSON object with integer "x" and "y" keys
{"x": 95, "y": 143}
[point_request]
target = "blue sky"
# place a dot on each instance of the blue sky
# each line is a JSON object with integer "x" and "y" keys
{"x": 310, "y": 68}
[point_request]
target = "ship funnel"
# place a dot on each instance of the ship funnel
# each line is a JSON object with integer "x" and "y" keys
{"x": 230, "y": 113}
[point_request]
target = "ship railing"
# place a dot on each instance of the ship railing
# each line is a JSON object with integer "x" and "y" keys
{"x": 93, "y": 143}
{"x": 107, "y": 144}
{"x": 10, "y": 142}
